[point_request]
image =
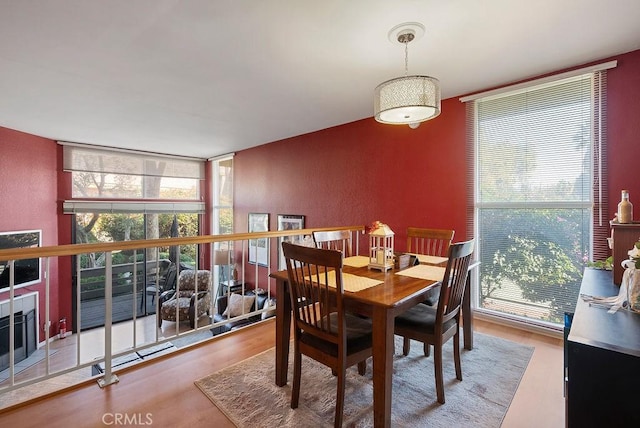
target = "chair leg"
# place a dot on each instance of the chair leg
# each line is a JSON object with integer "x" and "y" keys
{"x": 340, "y": 397}
{"x": 297, "y": 367}
{"x": 427, "y": 350}
{"x": 362, "y": 367}
{"x": 456, "y": 355}
{"x": 406, "y": 346}
{"x": 437, "y": 366}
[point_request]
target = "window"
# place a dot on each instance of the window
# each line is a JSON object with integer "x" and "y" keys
{"x": 538, "y": 200}
{"x": 121, "y": 195}
{"x": 222, "y": 195}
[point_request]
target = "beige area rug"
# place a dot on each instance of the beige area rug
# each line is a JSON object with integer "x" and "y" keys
{"x": 247, "y": 394}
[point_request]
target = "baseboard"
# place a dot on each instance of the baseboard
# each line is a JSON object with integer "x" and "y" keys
{"x": 522, "y": 325}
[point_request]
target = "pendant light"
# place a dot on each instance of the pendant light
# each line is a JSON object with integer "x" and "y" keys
{"x": 407, "y": 100}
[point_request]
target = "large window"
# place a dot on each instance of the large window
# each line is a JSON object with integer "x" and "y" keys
{"x": 538, "y": 153}
{"x": 126, "y": 195}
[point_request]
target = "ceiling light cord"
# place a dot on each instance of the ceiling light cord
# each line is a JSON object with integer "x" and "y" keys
{"x": 405, "y": 38}
{"x": 406, "y": 58}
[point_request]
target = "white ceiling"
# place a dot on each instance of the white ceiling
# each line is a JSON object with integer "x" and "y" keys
{"x": 208, "y": 77}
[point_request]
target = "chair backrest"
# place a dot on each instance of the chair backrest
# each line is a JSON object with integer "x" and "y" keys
{"x": 315, "y": 282}
{"x": 170, "y": 278}
{"x": 431, "y": 242}
{"x": 333, "y": 240}
{"x": 454, "y": 281}
{"x": 187, "y": 281}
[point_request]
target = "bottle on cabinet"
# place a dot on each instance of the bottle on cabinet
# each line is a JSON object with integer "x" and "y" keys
{"x": 625, "y": 209}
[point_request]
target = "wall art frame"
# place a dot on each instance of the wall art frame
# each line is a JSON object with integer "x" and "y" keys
{"x": 258, "y": 248}
{"x": 27, "y": 271}
{"x": 289, "y": 222}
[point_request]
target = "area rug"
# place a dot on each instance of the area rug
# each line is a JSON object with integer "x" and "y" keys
{"x": 247, "y": 394}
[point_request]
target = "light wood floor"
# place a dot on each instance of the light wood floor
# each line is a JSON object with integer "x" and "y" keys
{"x": 163, "y": 389}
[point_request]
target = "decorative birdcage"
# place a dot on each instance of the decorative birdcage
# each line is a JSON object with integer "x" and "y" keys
{"x": 380, "y": 247}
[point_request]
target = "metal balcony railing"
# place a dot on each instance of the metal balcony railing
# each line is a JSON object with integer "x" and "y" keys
{"x": 107, "y": 287}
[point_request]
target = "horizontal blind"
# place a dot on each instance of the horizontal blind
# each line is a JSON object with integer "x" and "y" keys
{"x": 534, "y": 196}
{"x": 534, "y": 144}
{"x": 601, "y": 231}
{"x": 77, "y": 207}
{"x": 82, "y": 158}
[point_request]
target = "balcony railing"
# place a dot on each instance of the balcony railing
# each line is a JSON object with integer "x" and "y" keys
{"x": 110, "y": 282}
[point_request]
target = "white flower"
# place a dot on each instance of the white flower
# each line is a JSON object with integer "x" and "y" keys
{"x": 634, "y": 253}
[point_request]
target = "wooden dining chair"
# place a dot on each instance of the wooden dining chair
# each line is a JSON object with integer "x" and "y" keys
{"x": 431, "y": 242}
{"x": 322, "y": 329}
{"x": 436, "y": 325}
{"x": 334, "y": 240}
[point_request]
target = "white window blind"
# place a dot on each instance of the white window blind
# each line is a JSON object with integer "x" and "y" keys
{"x": 78, "y": 206}
{"x": 82, "y": 158}
{"x": 539, "y": 196}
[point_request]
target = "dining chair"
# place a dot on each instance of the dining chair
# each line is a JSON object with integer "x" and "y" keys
{"x": 430, "y": 242}
{"x": 436, "y": 325}
{"x": 333, "y": 240}
{"x": 323, "y": 330}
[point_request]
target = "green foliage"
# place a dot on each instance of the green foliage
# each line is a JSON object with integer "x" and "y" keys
{"x": 606, "y": 264}
{"x": 538, "y": 251}
{"x": 124, "y": 227}
{"x": 226, "y": 221}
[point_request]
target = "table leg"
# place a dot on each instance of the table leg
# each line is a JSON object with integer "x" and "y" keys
{"x": 383, "y": 350}
{"x": 467, "y": 316}
{"x": 283, "y": 330}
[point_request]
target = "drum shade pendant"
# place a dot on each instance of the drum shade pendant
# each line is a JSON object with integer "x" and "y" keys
{"x": 407, "y": 100}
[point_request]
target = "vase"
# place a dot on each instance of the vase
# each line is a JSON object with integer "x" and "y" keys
{"x": 633, "y": 285}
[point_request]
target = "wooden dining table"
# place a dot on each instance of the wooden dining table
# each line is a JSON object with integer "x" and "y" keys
{"x": 395, "y": 294}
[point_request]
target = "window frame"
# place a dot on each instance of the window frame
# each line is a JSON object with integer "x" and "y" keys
{"x": 598, "y": 197}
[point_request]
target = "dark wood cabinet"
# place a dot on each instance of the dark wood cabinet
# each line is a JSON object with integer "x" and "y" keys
{"x": 624, "y": 237}
{"x": 603, "y": 361}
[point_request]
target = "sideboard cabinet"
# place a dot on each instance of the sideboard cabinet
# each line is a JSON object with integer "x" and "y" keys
{"x": 603, "y": 360}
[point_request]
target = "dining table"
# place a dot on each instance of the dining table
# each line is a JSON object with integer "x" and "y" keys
{"x": 380, "y": 295}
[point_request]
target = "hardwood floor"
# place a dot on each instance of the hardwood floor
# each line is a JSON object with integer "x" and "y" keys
{"x": 161, "y": 392}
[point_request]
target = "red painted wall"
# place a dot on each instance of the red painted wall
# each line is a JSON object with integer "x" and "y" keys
{"x": 365, "y": 171}
{"x": 360, "y": 172}
{"x": 28, "y": 176}
{"x": 623, "y": 133}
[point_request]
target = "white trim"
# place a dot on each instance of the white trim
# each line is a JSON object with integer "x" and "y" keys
{"x": 541, "y": 81}
{"x": 519, "y": 324}
{"x": 222, "y": 157}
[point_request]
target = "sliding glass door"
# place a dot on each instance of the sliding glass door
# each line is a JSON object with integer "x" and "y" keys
{"x": 150, "y": 268}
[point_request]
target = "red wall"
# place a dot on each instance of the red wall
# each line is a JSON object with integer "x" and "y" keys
{"x": 623, "y": 97}
{"x": 365, "y": 171}
{"x": 358, "y": 173}
{"x": 28, "y": 177}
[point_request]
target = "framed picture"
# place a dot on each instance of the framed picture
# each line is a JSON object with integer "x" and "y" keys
{"x": 258, "y": 248}
{"x": 290, "y": 222}
{"x": 27, "y": 271}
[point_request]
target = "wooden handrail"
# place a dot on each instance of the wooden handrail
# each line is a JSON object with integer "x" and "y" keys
{"x": 75, "y": 249}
